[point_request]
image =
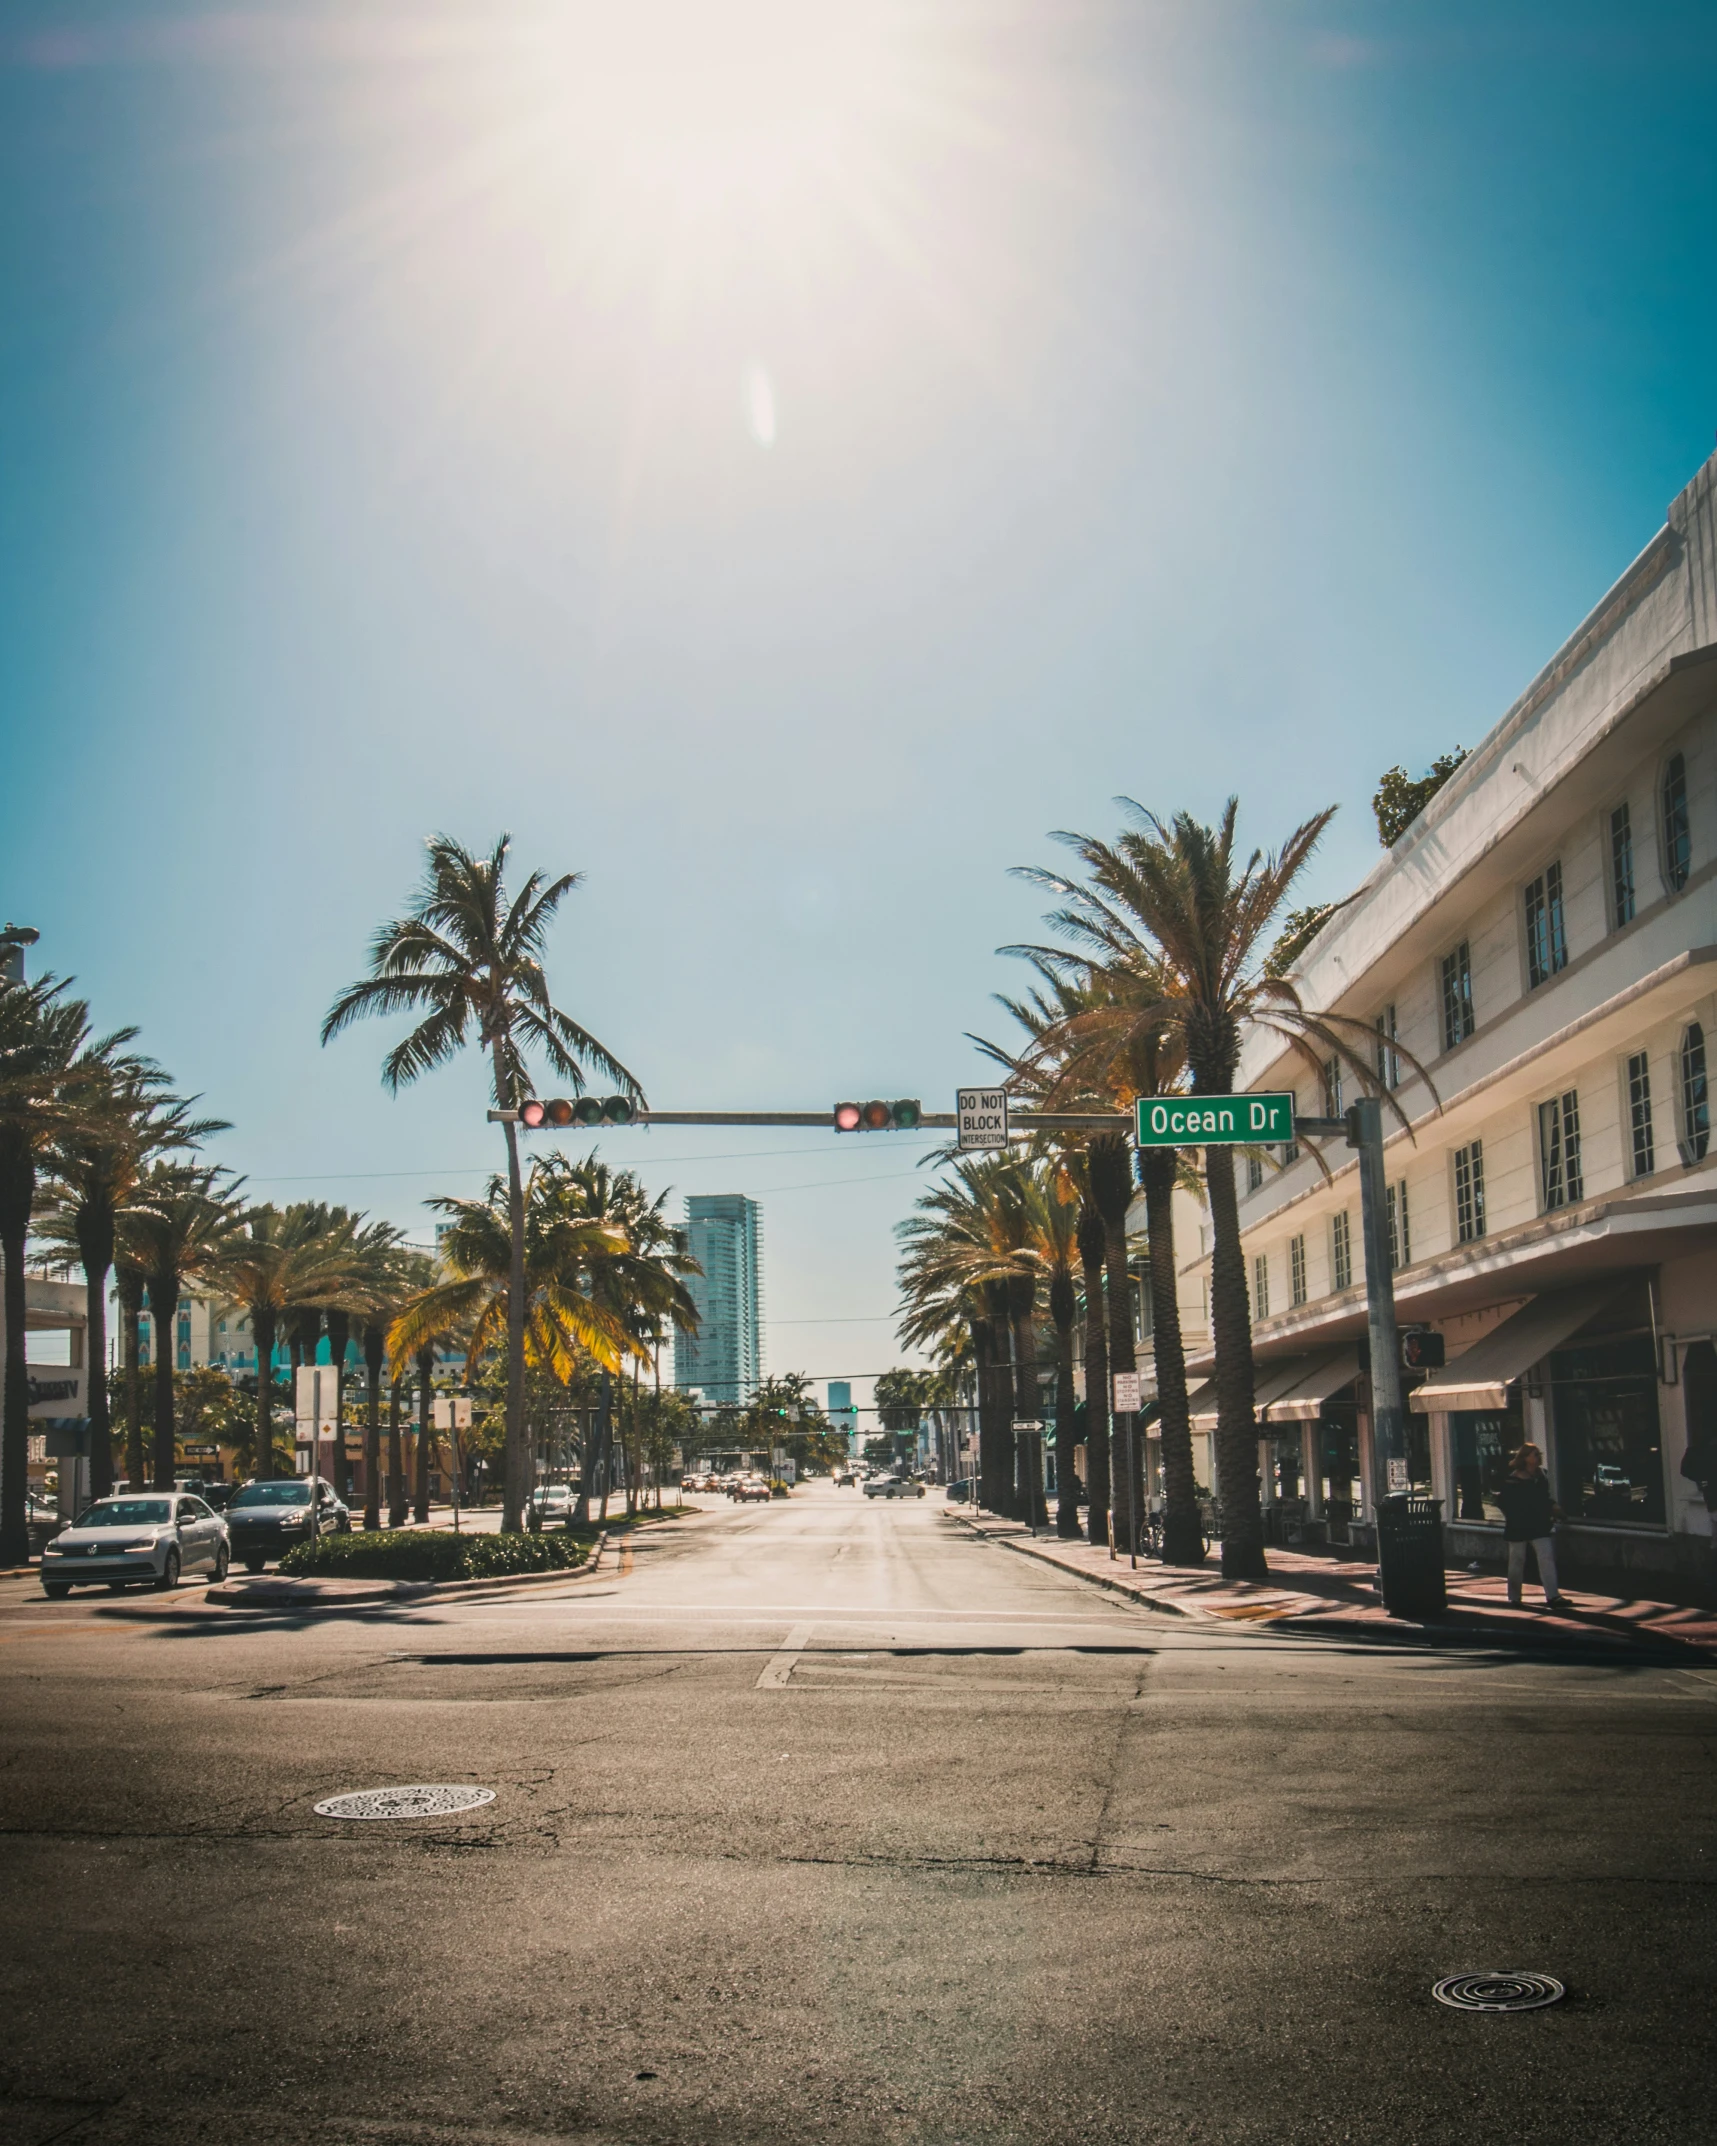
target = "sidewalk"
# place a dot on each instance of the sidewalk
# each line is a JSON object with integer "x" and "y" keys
{"x": 1312, "y": 1594}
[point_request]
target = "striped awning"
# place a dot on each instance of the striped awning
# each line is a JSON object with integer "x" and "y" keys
{"x": 1482, "y": 1376}
{"x": 1305, "y": 1401}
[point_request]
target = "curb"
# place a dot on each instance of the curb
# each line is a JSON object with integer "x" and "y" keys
{"x": 1135, "y": 1590}
{"x": 1456, "y": 1629}
{"x": 277, "y": 1597}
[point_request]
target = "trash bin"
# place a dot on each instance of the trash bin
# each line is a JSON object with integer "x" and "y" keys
{"x": 1410, "y": 1556}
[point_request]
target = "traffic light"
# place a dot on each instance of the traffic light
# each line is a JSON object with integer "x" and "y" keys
{"x": 586, "y": 1110}
{"x": 901, "y": 1117}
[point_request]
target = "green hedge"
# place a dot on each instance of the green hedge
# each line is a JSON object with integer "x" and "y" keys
{"x": 432, "y": 1554}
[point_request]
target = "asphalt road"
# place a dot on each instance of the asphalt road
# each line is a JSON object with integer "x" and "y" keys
{"x": 825, "y": 1820}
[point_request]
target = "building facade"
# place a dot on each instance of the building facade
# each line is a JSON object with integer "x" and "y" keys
{"x": 723, "y": 1360}
{"x": 1531, "y": 971}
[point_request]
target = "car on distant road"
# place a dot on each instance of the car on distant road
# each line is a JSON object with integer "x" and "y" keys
{"x": 552, "y": 1504}
{"x": 845, "y": 1479}
{"x": 893, "y": 1486}
{"x": 266, "y": 1520}
{"x": 750, "y": 1487}
{"x": 123, "y": 1541}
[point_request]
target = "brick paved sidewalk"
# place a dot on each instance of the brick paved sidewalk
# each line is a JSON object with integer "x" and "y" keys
{"x": 1324, "y": 1594}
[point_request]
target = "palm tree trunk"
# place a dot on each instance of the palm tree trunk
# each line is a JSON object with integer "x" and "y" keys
{"x": 128, "y": 1286}
{"x": 17, "y": 1193}
{"x": 95, "y": 1245}
{"x": 339, "y": 1333}
{"x": 1236, "y": 1423}
{"x": 425, "y": 1373}
{"x": 1027, "y": 1401}
{"x": 1183, "y": 1537}
{"x": 262, "y": 1333}
{"x": 517, "y": 1458}
{"x": 995, "y": 1404}
{"x": 1096, "y": 1375}
{"x": 1111, "y": 1170}
{"x": 1062, "y": 1307}
{"x": 604, "y": 1442}
{"x": 374, "y": 1346}
{"x": 163, "y": 1309}
{"x": 397, "y": 1506}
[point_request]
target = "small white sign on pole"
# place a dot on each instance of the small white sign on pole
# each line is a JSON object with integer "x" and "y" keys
{"x": 982, "y": 1115}
{"x": 1126, "y": 1393}
{"x": 461, "y": 1411}
{"x": 313, "y": 1403}
{"x": 441, "y": 1412}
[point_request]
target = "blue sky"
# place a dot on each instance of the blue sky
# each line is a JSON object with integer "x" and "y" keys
{"x": 781, "y": 462}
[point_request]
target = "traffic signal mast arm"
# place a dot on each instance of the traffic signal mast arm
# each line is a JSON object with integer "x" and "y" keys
{"x": 929, "y": 1120}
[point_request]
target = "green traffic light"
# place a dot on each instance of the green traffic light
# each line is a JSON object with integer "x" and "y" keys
{"x": 907, "y": 1116}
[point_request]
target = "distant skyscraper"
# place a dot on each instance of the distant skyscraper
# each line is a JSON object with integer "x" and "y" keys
{"x": 724, "y": 1358}
{"x": 843, "y": 1417}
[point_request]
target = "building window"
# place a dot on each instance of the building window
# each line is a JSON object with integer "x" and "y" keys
{"x": 1639, "y": 1114}
{"x": 1621, "y": 868}
{"x": 1559, "y": 1149}
{"x": 1340, "y": 1251}
{"x": 1469, "y": 1192}
{"x": 1297, "y": 1269}
{"x": 1261, "y": 1286}
{"x": 1457, "y": 972}
{"x": 1254, "y": 1172}
{"x": 1546, "y": 929}
{"x": 1695, "y": 1096}
{"x": 1388, "y": 1057}
{"x": 1677, "y": 830}
{"x": 1400, "y": 1230}
{"x": 1334, "y": 1104}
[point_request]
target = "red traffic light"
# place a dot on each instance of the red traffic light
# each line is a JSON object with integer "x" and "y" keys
{"x": 587, "y": 1110}
{"x": 904, "y": 1116}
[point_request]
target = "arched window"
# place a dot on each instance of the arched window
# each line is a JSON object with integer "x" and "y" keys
{"x": 1695, "y": 1096}
{"x": 1677, "y": 830}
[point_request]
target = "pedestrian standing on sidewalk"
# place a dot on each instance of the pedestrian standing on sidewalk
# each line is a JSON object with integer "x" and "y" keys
{"x": 1528, "y": 1515}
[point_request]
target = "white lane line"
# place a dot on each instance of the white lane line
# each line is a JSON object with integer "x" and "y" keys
{"x": 780, "y": 1666}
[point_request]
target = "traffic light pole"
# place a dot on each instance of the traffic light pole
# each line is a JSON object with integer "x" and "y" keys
{"x": 929, "y": 1121}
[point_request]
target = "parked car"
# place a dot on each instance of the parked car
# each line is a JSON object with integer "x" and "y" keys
{"x": 960, "y": 1491}
{"x": 121, "y": 1541}
{"x": 265, "y": 1520}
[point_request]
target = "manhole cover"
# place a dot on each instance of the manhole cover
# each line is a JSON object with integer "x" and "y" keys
{"x": 415, "y": 1802}
{"x": 1504, "y": 1990}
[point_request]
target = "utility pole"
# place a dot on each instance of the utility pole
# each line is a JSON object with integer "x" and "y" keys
{"x": 1409, "y": 1530}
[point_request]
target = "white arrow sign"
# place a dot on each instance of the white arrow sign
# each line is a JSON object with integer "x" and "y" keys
{"x": 982, "y": 1114}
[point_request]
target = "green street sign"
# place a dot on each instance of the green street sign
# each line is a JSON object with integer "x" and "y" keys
{"x": 1214, "y": 1121}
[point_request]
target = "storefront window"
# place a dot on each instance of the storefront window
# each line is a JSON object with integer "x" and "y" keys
{"x": 1336, "y": 1445}
{"x": 1484, "y": 1441}
{"x": 1609, "y": 1452}
{"x": 1287, "y": 1463}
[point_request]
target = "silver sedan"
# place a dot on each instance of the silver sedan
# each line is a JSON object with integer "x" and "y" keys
{"x": 149, "y": 1540}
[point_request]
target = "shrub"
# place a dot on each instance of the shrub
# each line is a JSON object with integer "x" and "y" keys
{"x": 432, "y": 1554}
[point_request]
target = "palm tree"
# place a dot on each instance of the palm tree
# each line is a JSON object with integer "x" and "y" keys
{"x": 1099, "y": 1041}
{"x": 178, "y": 1230}
{"x": 1053, "y": 1243}
{"x": 470, "y": 961}
{"x": 406, "y": 1274}
{"x": 41, "y": 1033}
{"x": 967, "y": 1256}
{"x": 121, "y": 1119}
{"x": 1176, "y": 901}
{"x": 283, "y": 1266}
{"x": 641, "y": 1282}
{"x": 562, "y": 1322}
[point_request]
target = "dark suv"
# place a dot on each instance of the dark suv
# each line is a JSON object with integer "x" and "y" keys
{"x": 266, "y": 1520}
